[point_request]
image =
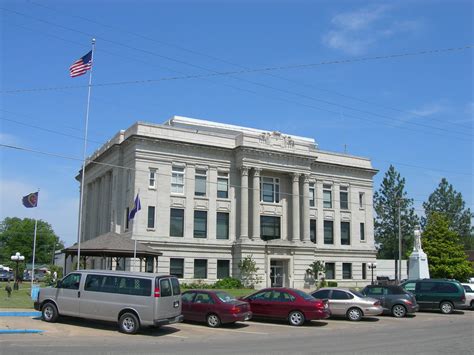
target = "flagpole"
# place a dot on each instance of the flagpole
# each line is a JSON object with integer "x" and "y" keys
{"x": 81, "y": 201}
{"x": 34, "y": 252}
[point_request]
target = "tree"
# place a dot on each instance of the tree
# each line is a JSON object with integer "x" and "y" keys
{"x": 248, "y": 272}
{"x": 315, "y": 269}
{"x": 386, "y": 203}
{"x": 446, "y": 200}
{"x": 446, "y": 257}
{"x": 16, "y": 235}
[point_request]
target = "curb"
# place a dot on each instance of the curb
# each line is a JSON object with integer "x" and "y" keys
{"x": 20, "y": 314}
{"x": 20, "y": 331}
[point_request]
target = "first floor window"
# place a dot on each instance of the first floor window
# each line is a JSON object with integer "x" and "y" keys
{"x": 364, "y": 271}
{"x": 177, "y": 268}
{"x": 312, "y": 230}
{"x": 269, "y": 227}
{"x": 151, "y": 217}
{"x": 200, "y": 224}
{"x": 346, "y": 271}
{"x": 222, "y": 225}
{"x": 223, "y": 185}
{"x": 328, "y": 232}
{"x": 223, "y": 269}
{"x": 177, "y": 222}
{"x": 330, "y": 271}
{"x": 345, "y": 233}
{"x": 200, "y": 268}
{"x": 362, "y": 231}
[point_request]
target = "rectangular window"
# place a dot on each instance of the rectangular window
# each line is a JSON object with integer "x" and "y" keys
{"x": 151, "y": 217}
{"x": 345, "y": 233}
{"x": 222, "y": 225}
{"x": 361, "y": 200}
{"x": 222, "y": 185}
{"x": 152, "y": 179}
{"x": 328, "y": 232}
{"x": 346, "y": 270}
{"x": 177, "y": 268}
{"x": 362, "y": 231}
{"x": 312, "y": 230}
{"x": 127, "y": 213}
{"x": 327, "y": 196}
{"x": 269, "y": 227}
{"x": 270, "y": 189}
{"x": 176, "y": 222}
{"x": 200, "y": 268}
{"x": 223, "y": 269}
{"x": 364, "y": 271}
{"x": 177, "y": 180}
{"x": 200, "y": 182}
{"x": 330, "y": 271}
{"x": 312, "y": 194}
{"x": 344, "y": 197}
{"x": 200, "y": 224}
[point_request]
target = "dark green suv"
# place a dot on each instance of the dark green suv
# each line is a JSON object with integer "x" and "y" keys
{"x": 445, "y": 295}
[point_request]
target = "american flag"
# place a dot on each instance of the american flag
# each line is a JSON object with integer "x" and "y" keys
{"x": 81, "y": 66}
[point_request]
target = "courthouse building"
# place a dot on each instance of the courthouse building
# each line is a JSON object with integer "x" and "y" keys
{"x": 212, "y": 194}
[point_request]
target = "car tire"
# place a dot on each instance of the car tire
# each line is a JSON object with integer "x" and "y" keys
{"x": 354, "y": 314}
{"x": 213, "y": 320}
{"x": 129, "y": 323}
{"x": 399, "y": 311}
{"x": 49, "y": 312}
{"x": 472, "y": 304}
{"x": 446, "y": 307}
{"x": 296, "y": 318}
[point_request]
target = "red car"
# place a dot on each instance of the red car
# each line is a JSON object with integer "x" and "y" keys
{"x": 286, "y": 303}
{"x": 214, "y": 307}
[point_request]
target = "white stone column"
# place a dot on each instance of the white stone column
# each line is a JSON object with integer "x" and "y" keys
{"x": 295, "y": 206}
{"x": 256, "y": 203}
{"x": 305, "y": 233}
{"x": 244, "y": 202}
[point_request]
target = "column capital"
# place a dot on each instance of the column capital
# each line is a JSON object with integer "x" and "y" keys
{"x": 295, "y": 177}
{"x": 306, "y": 178}
{"x": 244, "y": 170}
{"x": 256, "y": 172}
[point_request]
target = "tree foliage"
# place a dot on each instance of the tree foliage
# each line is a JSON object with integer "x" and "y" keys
{"x": 249, "y": 272}
{"x": 446, "y": 200}
{"x": 446, "y": 257}
{"x": 386, "y": 201}
{"x": 16, "y": 235}
{"x": 316, "y": 268}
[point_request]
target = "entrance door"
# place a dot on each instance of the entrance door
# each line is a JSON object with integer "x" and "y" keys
{"x": 277, "y": 273}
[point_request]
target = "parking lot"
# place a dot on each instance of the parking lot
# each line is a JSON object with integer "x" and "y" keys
{"x": 424, "y": 333}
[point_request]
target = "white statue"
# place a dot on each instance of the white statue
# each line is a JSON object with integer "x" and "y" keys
{"x": 417, "y": 244}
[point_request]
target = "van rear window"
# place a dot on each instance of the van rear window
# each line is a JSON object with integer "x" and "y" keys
{"x": 118, "y": 284}
{"x": 175, "y": 284}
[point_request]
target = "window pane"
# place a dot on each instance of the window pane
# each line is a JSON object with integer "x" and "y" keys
{"x": 200, "y": 269}
{"x": 269, "y": 227}
{"x": 345, "y": 233}
{"x": 177, "y": 268}
{"x": 267, "y": 192}
{"x": 362, "y": 231}
{"x": 361, "y": 200}
{"x": 328, "y": 232}
{"x": 364, "y": 271}
{"x": 165, "y": 288}
{"x": 312, "y": 230}
{"x": 176, "y": 222}
{"x": 222, "y": 225}
{"x": 344, "y": 197}
{"x": 151, "y": 217}
{"x": 346, "y": 271}
{"x": 330, "y": 271}
{"x": 312, "y": 195}
{"x": 200, "y": 187}
{"x": 327, "y": 199}
{"x": 200, "y": 224}
{"x": 223, "y": 269}
{"x": 222, "y": 188}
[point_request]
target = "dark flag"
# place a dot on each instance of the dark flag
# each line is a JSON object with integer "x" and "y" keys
{"x": 81, "y": 66}
{"x": 30, "y": 200}
{"x": 137, "y": 207}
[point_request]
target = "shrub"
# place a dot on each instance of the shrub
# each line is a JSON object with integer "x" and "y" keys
{"x": 199, "y": 284}
{"x": 332, "y": 284}
{"x": 228, "y": 282}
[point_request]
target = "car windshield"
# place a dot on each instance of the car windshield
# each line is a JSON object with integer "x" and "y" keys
{"x": 225, "y": 297}
{"x": 304, "y": 295}
{"x": 357, "y": 293}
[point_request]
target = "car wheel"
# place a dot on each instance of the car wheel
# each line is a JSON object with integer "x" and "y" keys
{"x": 128, "y": 323}
{"x": 213, "y": 320}
{"x": 446, "y": 307}
{"x": 296, "y": 318}
{"x": 49, "y": 312}
{"x": 472, "y": 304}
{"x": 399, "y": 311}
{"x": 354, "y": 314}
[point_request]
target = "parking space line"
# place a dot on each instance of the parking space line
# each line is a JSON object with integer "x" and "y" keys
{"x": 176, "y": 336}
{"x": 223, "y": 330}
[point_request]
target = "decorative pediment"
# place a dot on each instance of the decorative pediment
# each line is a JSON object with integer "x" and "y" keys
{"x": 276, "y": 139}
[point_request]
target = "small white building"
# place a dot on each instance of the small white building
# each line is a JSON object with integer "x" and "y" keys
{"x": 212, "y": 194}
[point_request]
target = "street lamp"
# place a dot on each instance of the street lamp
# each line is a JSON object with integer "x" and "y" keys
{"x": 17, "y": 258}
{"x": 372, "y": 266}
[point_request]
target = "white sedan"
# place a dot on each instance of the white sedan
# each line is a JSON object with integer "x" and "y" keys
{"x": 469, "y": 291}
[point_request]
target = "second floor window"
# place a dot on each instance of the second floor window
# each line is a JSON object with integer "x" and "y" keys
{"x": 222, "y": 185}
{"x": 312, "y": 230}
{"x": 361, "y": 200}
{"x": 152, "y": 179}
{"x": 176, "y": 222}
{"x": 177, "y": 180}
{"x": 269, "y": 227}
{"x": 344, "y": 198}
{"x": 200, "y": 182}
{"x": 222, "y": 225}
{"x": 200, "y": 224}
{"x": 270, "y": 189}
{"x": 312, "y": 194}
{"x": 327, "y": 196}
{"x": 345, "y": 233}
{"x": 151, "y": 217}
{"x": 362, "y": 231}
{"x": 328, "y": 232}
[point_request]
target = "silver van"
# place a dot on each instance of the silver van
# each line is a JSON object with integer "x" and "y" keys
{"x": 133, "y": 299}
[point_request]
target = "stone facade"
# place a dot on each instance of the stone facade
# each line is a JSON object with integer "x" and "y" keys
{"x": 216, "y": 193}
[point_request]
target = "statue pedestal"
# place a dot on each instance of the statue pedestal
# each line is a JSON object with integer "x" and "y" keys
{"x": 418, "y": 266}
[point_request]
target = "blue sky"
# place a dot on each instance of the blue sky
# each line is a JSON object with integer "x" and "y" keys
{"x": 415, "y": 111}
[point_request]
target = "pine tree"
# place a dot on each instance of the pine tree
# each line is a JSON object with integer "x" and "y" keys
{"x": 386, "y": 203}
{"x": 446, "y": 257}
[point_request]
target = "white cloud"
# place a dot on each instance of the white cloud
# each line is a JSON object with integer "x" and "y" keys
{"x": 9, "y": 139}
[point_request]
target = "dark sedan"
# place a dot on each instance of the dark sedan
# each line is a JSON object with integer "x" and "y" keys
{"x": 286, "y": 303}
{"x": 394, "y": 299}
{"x": 214, "y": 307}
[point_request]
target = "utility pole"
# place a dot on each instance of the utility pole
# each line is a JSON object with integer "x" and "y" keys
{"x": 399, "y": 276}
